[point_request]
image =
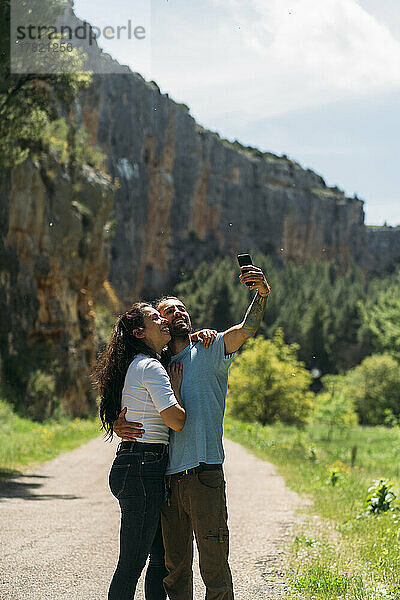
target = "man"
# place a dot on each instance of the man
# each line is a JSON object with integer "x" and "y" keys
{"x": 197, "y": 501}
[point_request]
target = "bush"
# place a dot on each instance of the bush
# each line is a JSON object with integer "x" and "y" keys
{"x": 268, "y": 384}
{"x": 374, "y": 386}
{"x": 380, "y": 497}
{"x": 317, "y": 305}
{"x": 335, "y": 410}
{"x": 41, "y": 392}
{"x": 381, "y": 318}
{"x": 6, "y": 412}
{"x": 105, "y": 321}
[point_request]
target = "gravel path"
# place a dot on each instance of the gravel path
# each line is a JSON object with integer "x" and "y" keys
{"x": 59, "y": 527}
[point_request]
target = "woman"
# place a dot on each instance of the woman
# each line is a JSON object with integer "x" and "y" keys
{"x": 130, "y": 375}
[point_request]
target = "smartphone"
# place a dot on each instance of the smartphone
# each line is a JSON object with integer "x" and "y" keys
{"x": 244, "y": 260}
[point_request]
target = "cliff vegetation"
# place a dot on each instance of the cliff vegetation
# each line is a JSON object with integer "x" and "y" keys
{"x": 110, "y": 191}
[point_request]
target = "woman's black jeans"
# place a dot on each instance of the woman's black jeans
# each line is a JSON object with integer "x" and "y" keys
{"x": 137, "y": 481}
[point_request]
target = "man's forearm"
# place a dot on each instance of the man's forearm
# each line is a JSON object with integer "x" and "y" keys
{"x": 235, "y": 337}
{"x": 254, "y": 315}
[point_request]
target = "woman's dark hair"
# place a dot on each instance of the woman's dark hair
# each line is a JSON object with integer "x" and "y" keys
{"x": 109, "y": 375}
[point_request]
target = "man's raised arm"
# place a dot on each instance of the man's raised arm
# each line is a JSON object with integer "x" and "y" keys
{"x": 238, "y": 334}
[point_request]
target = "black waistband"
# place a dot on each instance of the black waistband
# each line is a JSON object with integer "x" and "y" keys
{"x": 199, "y": 469}
{"x": 142, "y": 447}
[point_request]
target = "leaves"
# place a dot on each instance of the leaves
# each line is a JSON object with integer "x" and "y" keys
{"x": 374, "y": 386}
{"x": 380, "y": 497}
{"x": 268, "y": 384}
{"x": 316, "y": 306}
{"x": 30, "y": 102}
{"x": 382, "y": 319}
{"x": 334, "y": 409}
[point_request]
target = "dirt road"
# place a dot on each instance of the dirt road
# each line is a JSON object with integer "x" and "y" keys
{"x": 59, "y": 527}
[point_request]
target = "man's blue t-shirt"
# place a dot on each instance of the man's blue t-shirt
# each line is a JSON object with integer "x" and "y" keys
{"x": 203, "y": 391}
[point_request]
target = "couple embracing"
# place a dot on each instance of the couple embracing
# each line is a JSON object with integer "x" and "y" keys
{"x": 168, "y": 476}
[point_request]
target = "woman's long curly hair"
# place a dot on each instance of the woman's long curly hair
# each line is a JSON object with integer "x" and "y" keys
{"x": 109, "y": 375}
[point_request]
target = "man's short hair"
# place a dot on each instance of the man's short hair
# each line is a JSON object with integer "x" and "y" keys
{"x": 164, "y": 299}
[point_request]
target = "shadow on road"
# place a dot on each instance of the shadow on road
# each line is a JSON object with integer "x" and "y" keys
{"x": 22, "y": 486}
{"x": 8, "y": 473}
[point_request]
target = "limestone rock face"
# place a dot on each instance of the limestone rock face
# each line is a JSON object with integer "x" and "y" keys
{"x": 54, "y": 257}
{"x": 181, "y": 195}
{"x": 383, "y": 245}
{"x": 186, "y": 196}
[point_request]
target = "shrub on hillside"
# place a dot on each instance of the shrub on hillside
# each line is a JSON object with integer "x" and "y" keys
{"x": 41, "y": 396}
{"x": 6, "y": 412}
{"x": 335, "y": 410}
{"x": 268, "y": 384}
{"x": 381, "y": 318}
{"x": 317, "y": 305}
{"x": 374, "y": 388}
{"x": 105, "y": 321}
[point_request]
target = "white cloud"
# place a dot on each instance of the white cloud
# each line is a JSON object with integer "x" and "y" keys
{"x": 329, "y": 72}
{"x": 252, "y": 59}
{"x": 268, "y": 57}
{"x": 336, "y": 36}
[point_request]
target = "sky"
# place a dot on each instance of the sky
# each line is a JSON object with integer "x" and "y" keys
{"x": 317, "y": 81}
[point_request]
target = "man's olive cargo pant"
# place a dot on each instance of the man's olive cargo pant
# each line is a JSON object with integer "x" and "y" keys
{"x": 197, "y": 503}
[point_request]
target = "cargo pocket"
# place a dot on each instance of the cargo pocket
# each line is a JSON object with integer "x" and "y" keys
{"x": 211, "y": 479}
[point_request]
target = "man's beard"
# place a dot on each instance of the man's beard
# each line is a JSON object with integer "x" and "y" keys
{"x": 180, "y": 330}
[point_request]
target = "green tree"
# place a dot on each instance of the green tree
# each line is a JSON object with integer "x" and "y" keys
{"x": 315, "y": 335}
{"x": 335, "y": 410}
{"x": 317, "y": 306}
{"x": 268, "y": 384}
{"x": 29, "y": 102}
{"x": 381, "y": 319}
{"x": 374, "y": 386}
{"x": 41, "y": 401}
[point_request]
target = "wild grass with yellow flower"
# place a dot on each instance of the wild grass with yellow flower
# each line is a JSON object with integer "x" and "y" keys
{"x": 348, "y": 543}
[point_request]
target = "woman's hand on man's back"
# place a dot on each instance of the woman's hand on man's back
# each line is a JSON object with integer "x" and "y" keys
{"x": 175, "y": 372}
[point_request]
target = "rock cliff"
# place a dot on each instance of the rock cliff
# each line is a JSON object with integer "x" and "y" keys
{"x": 182, "y": 195}
{"x": 383, "y": 244}
{"x": 186, "y": 195}
{"x": 54, "y": 258}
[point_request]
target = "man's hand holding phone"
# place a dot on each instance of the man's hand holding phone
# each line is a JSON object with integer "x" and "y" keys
{"x": 255, "y": 279}
{"x": 252, "y": 276}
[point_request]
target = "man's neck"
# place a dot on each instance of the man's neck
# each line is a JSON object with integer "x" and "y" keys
{"x": 178, "y": 344}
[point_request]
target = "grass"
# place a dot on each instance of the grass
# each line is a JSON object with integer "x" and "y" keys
{"x": 24, "y": 442}
{"x": 322, "y": 579}
{"x": 339, "y": 551}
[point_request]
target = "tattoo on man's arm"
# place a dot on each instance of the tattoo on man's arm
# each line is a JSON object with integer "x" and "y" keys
{"x": 254, "y": 314}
